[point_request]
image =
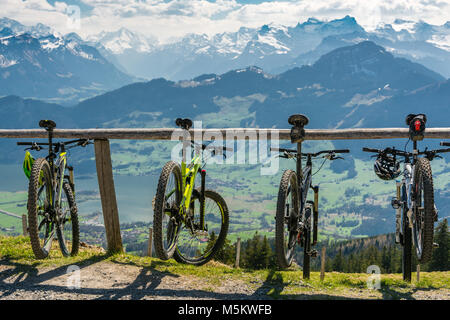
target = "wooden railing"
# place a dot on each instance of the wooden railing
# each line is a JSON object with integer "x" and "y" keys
{"x": 101, "y": 139}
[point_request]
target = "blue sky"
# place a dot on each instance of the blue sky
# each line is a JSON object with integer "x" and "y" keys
{"x": 166, "y": 19}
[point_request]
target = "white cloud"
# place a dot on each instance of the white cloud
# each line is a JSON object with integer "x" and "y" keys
{"x": 166, "y": 19}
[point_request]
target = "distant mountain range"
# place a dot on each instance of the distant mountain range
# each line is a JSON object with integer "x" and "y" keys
{"x": 35, "y": 62}
{"x": 274, "y": 48}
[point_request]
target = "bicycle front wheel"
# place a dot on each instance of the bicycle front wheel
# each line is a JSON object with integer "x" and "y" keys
{"x": 406, "y": 241}
{"x": 286, "y": 219}
{"x": 41, "y": 224}
{"x": 166, "y": 218}
{"x": 68, "y": 230}
{"x": 423, "y": 222}
{"x": 204, "y": 233}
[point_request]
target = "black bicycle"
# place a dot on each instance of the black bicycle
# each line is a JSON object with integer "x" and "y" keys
{"x": 296, "y": 218}
{"x": 51, "y": 195}
{"x": 414, "y": 202}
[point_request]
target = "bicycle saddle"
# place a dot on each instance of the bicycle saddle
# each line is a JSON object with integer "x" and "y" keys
{"x": 184, "y": 123}
{"x": 47, "y": 124}
{"x": 298, "y": 120}
{"x": 411, "y": 116}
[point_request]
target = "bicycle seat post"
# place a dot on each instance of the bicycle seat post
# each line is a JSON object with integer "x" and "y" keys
{"x": 184, "y": 124}
{"x": 298, "y": 121}
{"x": 49, "y": 125}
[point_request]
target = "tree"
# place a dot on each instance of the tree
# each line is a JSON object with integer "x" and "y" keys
{"x": 338, "y": 261}
{"x": 440, "y": 259}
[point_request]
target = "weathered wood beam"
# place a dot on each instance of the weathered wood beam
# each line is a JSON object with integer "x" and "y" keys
{"x": 232, "y": 133}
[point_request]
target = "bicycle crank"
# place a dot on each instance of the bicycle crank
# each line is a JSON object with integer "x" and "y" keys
{"x": 313, "y": 253}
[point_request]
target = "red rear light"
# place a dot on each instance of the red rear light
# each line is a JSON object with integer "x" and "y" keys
{"x": 417, "y": 125}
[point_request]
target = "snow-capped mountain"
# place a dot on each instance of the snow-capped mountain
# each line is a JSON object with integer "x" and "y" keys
{"x": 122, "y": 40}
{"x": 38, "y": 30}
{"x": 35, "y": 63}
{"x": 268, "y": 47}
{"x": 273, "y": 47}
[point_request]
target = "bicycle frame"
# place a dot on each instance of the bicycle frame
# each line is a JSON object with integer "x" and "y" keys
{"x": 188, "y": 175}
{"x": 408, "y": 198}
{"x": 61, "y": 165}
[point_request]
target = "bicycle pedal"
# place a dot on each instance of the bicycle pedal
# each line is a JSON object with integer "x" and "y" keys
{"x": 395, "y": 203}
{"x": 435, "y": 245}
{"x": 313, "y": 253}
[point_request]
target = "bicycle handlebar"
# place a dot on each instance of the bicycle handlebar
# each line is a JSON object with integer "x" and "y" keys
{"x": 430, "y": 154}
{"x": 310, "y": 154}
{"x": 80, "y": 142}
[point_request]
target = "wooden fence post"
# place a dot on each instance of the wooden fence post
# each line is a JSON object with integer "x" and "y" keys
{"x": 238, "y": 252}
{"x": 108, "y": 195}
{"x": 322, "y": 263}
{"x": 24, "y": 225}
{"x": 150, "y": 242}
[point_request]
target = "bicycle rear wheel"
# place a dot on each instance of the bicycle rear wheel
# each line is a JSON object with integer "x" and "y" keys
{"x": 41, "y": 225}
{"x": 199, "y": 245}
{"x": 423, "y": 222}
{"x": 68, "y": 230}
{"x": 286, "y": 219}
{"x": 166, "y": 219}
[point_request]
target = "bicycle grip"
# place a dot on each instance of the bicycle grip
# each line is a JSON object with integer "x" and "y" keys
{"x": 24, "y": 143}
{"x": 445, "y": 144}
{"x": 442, "y": 150}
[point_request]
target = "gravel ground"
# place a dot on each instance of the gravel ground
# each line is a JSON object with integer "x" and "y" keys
{"x": 107, "y": 280}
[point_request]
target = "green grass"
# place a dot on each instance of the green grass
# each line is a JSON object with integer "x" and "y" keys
{"x": 276, "y": 284}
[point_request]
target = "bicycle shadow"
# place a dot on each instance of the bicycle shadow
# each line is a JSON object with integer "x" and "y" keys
{"x": 398, "y": 294}
{"x": 23, "y": 276}
{"x": 274, "y": 285}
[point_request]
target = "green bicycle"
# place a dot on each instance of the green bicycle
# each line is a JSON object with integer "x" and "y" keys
{"x": 51, "y": 206}
{"x": 190, "y": 224}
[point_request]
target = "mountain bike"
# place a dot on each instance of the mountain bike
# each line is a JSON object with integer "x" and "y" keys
{"x": 190, "y": 223}
{"x": 51, "y": 203}
{"x": 414, "y": 201}
{"x": 296, "y": 218}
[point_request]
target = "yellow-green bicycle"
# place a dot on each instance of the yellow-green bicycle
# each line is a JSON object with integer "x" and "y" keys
{"x": 51, "y": 196}
{"x": 190, "y": 224}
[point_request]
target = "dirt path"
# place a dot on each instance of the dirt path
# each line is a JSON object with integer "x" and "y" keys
{"x": 108, "y": 280}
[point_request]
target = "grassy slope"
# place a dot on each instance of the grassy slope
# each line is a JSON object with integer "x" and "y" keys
{"x": 277, "y": 284}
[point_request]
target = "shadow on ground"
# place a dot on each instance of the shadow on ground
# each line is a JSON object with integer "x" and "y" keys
{"x": 23, "y": 281}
